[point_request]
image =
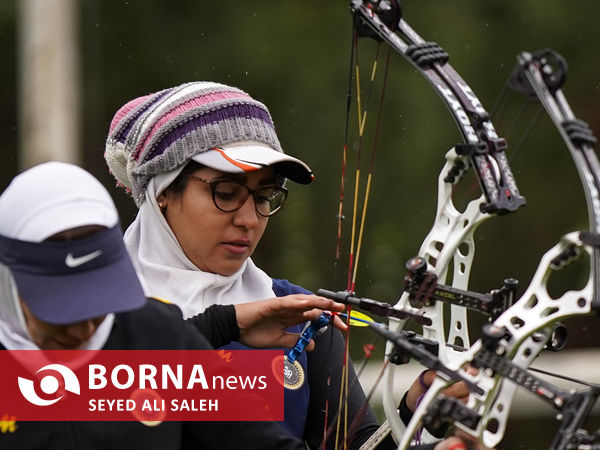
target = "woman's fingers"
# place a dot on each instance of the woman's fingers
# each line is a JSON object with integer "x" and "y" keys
{"x": 307, "y": 302}
{"x": 457, "y": 390}
{"x": 339, "y": 324}
{"x": 263, "y": 323}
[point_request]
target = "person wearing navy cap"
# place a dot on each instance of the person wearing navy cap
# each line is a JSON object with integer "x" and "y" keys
{"x": 67, "y": 282}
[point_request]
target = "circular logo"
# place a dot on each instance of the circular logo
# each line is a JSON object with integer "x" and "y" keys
{"x": 290, "y": 375}
{"x": 49, "y": 385}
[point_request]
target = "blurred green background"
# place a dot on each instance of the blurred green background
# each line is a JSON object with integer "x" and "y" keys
{"x": 294, "y": 56}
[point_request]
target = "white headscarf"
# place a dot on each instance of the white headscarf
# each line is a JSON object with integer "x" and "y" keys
{"x": 166, "y": 272}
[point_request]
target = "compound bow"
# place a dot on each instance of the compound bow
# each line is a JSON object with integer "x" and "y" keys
{"x": 519, "y": 331}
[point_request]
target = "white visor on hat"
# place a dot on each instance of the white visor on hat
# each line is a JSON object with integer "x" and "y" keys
{"x": 248, "y": 157}
{"x": 53, "y": 197}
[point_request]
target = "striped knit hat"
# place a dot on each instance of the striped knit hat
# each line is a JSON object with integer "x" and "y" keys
{"x": 216, "y": 125}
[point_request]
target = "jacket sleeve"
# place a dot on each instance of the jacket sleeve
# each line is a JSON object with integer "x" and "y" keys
{"x": 218, "y": 324}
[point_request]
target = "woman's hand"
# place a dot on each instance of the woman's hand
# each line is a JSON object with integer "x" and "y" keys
{"x": 421, "y": 384}
{"x": 263, "y": 323}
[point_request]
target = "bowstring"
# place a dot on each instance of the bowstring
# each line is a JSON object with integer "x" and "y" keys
{"x": 352, "y": 282}
{"x": 371, "y": 166}
{"x": 340, "y": 216}
{"x": 327, "y": 429}
{"x": 355, "y": 244}
{"x": 362, "y": 119}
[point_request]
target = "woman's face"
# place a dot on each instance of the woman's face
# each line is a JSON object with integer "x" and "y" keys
{"x": 59, "y": 337}
{"x": 215, "y": 241}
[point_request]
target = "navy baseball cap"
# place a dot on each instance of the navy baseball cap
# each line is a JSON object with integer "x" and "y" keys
{"x": 71, "y": 281}
{"x": 68, "y": 281}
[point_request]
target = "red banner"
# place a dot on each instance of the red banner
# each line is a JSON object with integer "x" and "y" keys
{"x": 141, "y": 385}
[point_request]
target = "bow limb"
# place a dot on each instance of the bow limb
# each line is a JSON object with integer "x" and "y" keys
{"x": 482, "y": 147}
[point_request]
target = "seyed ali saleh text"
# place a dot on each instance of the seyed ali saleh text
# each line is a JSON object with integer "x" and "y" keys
{"x": 115, "y": 384}
{"x": 124, "y": 376}
{"x": 153, "y": 405}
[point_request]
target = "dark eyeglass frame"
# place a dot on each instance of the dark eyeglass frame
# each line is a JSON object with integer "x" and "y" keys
{"x": 254, "y": 192}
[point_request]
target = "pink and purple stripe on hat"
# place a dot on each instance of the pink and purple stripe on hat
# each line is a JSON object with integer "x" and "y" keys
{"x": 208, "y": 127}
{"x": 186, "y": 110}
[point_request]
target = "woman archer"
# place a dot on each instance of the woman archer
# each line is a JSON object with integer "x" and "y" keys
{"x": 205, "y": 167}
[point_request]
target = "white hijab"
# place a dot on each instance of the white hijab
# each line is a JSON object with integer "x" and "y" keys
{"x": 166, "y": 272}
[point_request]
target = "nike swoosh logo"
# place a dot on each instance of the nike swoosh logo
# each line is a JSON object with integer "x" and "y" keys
{"x": 72, "y": 261}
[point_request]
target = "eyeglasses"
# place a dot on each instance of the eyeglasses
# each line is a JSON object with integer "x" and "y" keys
{"x": 230, "y": 195}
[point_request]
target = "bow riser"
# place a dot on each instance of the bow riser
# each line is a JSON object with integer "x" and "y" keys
{"x": 449, "y": 240}
{"x": 451, "y": 231}
{"x": 536, "y": 310}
